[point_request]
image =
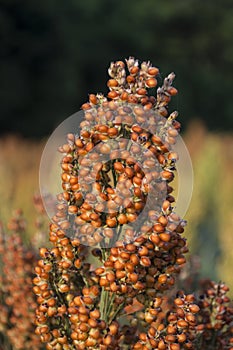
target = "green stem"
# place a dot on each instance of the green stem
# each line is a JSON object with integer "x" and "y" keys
{"x": 103, "y": 303}
{"x": 115, "y": 239}
{"x": 105, "y": 254}
{"x": 114, "y": 175}
{"x": 116, "y": 312}
{"x": 110, "y": 304}
{"x": 104, "y": 299}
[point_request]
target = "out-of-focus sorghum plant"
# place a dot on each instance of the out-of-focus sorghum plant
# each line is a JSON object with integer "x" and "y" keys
{"x": 123, "y": 302}
{"x": 17, "y": 301}
{"x": 41, "y": 223}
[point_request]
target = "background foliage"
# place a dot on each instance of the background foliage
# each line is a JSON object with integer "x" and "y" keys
{"x": 53, "y": 53}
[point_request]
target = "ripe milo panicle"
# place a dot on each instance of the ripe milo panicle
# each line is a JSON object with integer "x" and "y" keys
{"x": 122, "y": 303}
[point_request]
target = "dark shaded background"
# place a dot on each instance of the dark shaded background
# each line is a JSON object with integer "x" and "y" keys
{"x": 53, "y": 53}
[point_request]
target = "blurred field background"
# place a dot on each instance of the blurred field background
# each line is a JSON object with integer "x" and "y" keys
{"x": 54, "y": 53}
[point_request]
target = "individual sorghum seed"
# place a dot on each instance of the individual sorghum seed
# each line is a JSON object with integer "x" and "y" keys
{"x": 182, "y": 324}
{"x": 134, "y": 70}
{"x": 162, "y": 345}
{"x": 172, "y": 91}
{"x": 112, "y": 83}
{"x": 151, "y": 82}
{"x": 194, "y": 308}
{"x": 175, "y": 346}
{"x": 153, "y": 71}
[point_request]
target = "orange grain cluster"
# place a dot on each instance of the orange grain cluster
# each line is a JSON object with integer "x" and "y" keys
{"x": 17, "y": 302}
{"x": 81, "y": 306}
